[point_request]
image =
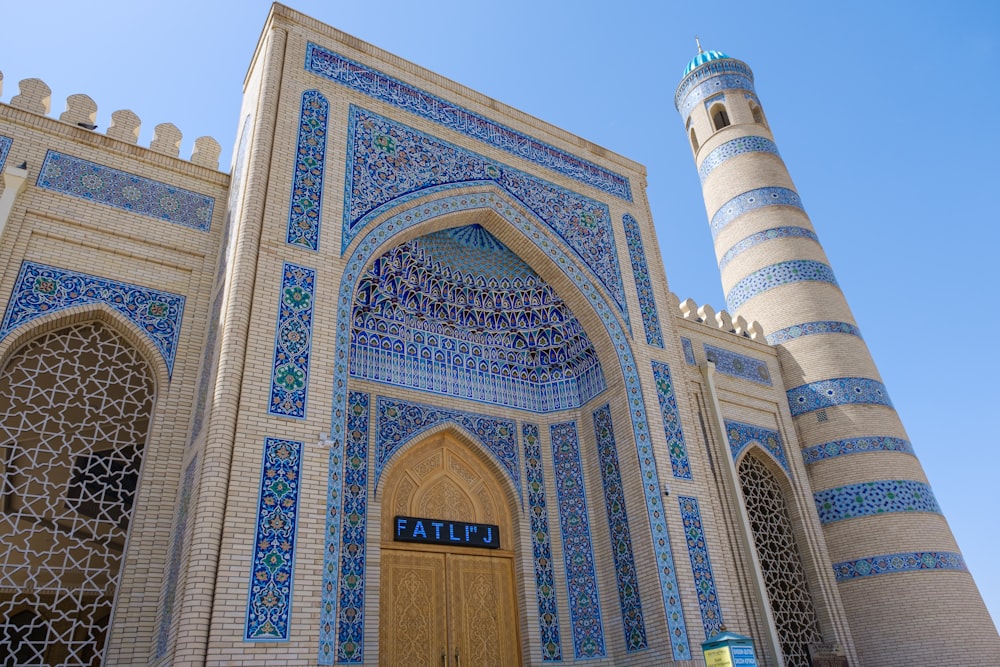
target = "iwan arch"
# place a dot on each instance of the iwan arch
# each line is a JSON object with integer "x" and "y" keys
{"x": 407, "y": 386}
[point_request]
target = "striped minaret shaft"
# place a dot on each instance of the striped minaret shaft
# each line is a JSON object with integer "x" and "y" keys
{"x": 908, "y": 594}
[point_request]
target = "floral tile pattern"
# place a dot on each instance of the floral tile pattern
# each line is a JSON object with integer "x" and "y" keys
{"x": 305, "y": 207}
{"x": 811, "y": 329}
{"x": 738, "y": 365}
{"x": 351, "y": 614}
{"x": 103, "y": 185}
{"x": 578, "y": 550}
{"x": 541, "y": 546}
{"x": 731, "y": 149}
{"x": 269, "y": 602}
{"x": 399, "y": 421}
{"x": 750, "y": 201}
{"x": 671, "y": 421}
{"x": 292, "y": 342}
{"x": 764, "y": 236}
{"x": 688, "y": 351}
{"x": 878, "y": 443}
{"x": 385, "y": 88}
{"x": 776, "y": 275}
{"x": 701, "y": 566}
{"x": 621, "y": 540}
{"x": 742, "y": 436}
{"x": 177, "y": 541}
{"x": 647, "y": 304}
{"x": 389, "y": 163}
{"x": 41, "y": 289}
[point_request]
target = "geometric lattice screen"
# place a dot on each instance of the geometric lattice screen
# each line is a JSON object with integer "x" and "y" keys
{"x": 784, "y": 578}
{"x": 75, "y": 406}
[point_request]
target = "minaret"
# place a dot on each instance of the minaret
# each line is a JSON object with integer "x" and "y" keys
{"x": 909, "y": 597}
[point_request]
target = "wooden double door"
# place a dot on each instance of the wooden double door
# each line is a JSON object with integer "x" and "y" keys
{"x": 447, "y": 606}
{"x": 447, "y": 610}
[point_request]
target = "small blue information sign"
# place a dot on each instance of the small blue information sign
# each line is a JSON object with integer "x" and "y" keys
{"x": 441, "y": 531}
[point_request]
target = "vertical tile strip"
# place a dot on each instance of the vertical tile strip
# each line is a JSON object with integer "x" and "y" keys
{"x": 578, "y": 551}
{"x": 292, "y": 342}
{"x": 305, "y": 207}
{"x": 269, "y": 602}
{"x": 350, "y": 618}
{"x": 541, "y": 549}
{"x": 671, "y": 421}
{"x": 621, "y": 539}
{"x": 701, "y": 566}
{"x": 647, "y": 304}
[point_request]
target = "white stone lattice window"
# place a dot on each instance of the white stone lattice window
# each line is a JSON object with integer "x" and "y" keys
{"x": 75, "y": 406}
{"x": 784, "y": 578}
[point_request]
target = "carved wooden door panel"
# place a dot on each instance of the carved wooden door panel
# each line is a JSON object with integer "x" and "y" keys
{"x": 413, "y": 609}
{"x": 482, "y": 617}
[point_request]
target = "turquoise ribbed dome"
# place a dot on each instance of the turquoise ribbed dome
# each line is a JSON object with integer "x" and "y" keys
{"x": 702, "y": 58}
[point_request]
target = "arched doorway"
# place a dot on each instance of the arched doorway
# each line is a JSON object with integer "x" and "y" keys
{"x": 446, "y": 603}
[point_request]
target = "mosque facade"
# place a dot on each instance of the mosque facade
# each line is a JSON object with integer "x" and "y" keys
{"x": 407, "y": 386}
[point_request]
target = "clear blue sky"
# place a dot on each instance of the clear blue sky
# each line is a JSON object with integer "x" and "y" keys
{"x": 886, "y": 113}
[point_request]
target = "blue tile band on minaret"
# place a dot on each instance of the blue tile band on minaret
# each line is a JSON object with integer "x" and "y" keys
{"x": 541, "y": 546}
{"x": 829, "y": 450}
{"x": 836, "y": 391}
{"x": 731, "y": 149}
{"x": 776, "y": 275}
{"x": 903, "y": 562}
{"x": 868, "y": 498}
{"x": 810, "y": 329}
{"x": 762, "y": 237}
{"x": 750, "y": 201}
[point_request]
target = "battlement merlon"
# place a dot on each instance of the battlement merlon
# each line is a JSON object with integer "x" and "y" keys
{"x": 722, "y": 320}
{"x": 35, "y": 97}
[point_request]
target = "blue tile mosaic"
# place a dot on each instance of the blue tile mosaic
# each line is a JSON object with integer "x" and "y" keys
{"x": 671, "y": 421}
{"x": 541, "y": 546}
{"x": 399, "y": 421}
{"x": 292, "y": 342}
{"x": 776, "y": 275}
{"x": 41, "y": 289}
{"x": 732, "y": 148}
{"x": 269, "y": 602}
{"x": 621, "y": 540}
{"x": 829, "y": 450}
{"x": 738, "y": 365}
{"x": 688, "y": 351}
{"x": 103, "y": 185}
{"x": 710, "y": 70}
{"x": 306, "y": 204}
{"x": 385, "y": 88}
{"x": 177, "y": 541}
{"x": 810, "y": 329}
{"x": 751, "y": 201}
{"x": 761, "y": 237}
{"x": 701, "y": 566}
{"x": 374, "y": 243}
{"x": 351, "y": 614}
{"x": 902, "y": 562}
{"x": 457, "y": 313}
{"x": 389, "y": 164}
{"x": 578, "y": 551}
{"x": 742, "y": 436}
{"x": 5, "y": 144}
{"x": 836, "y": 391}
{"x": 647, "y": 303}
{"x": 867, "y": 498}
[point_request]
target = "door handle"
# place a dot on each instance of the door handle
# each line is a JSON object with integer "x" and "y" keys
{"x": 444, "y": 658}
{"x": 457, "y": 664}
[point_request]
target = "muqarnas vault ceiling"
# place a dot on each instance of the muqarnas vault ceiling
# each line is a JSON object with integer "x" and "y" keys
{"x": 457, "y": 313}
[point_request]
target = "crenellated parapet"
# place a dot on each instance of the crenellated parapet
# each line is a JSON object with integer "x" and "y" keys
{"x": 722, "y": 320}
{"x": 35, "y": 96}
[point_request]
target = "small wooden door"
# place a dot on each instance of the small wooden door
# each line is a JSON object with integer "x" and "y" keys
{"x": 443, "y": 606}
